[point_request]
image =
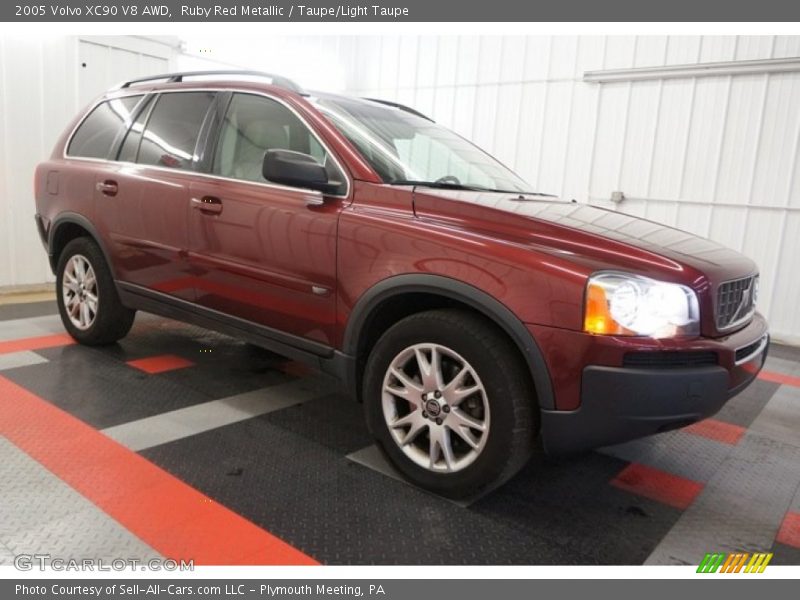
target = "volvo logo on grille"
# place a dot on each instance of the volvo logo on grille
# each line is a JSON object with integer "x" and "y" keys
{"x": 433, "y": 407}
{"x": 745, "y": 304}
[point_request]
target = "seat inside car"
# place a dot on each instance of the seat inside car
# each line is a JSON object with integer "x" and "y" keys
{"x": 257, "y": 138}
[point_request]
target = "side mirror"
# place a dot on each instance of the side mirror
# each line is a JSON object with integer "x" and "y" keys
{"x": 296, "y": 169}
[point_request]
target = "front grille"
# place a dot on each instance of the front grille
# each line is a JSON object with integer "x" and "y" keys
{"x": 736, "y": 301}
{"x": 698, "y": 358}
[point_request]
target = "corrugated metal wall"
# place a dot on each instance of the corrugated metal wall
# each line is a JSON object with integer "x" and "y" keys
{"x": 715, "y": 155}
{"x": 43, "y": 84}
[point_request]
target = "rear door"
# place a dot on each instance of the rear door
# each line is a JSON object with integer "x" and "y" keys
{"x": 266, "y": 252}
{"x": 143, "y": 201}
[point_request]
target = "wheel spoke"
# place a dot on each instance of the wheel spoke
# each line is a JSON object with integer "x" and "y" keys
{"x": 417, "y": 427}
{"x": 80, "y": 270}
{"x": 424, "y": 367}
{"x": 456, "y": 381}
{"x": 461, "y": 419}
{"x": 415, "y": 423}
{"x": 434, "y": 452}
{"x": 85, "y": 318}
{"x": 441, "y": 447}
{"x": 406, "y": 381}
{"x": 430, "y": 369}
{"x": 456, "y": 397}
{"x": 466, "y": 435}
{"x": 74, "y": 306}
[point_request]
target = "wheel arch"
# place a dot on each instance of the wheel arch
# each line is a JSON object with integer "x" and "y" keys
{"x": 393, "y": 291}
{"x": 67, "y": 227}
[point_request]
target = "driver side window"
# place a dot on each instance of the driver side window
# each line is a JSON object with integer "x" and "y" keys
{"x": 254, "y": 124}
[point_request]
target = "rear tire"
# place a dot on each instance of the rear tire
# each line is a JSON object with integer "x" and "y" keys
{"x": 450, "y": 378}
{"x": 88, "y": 301}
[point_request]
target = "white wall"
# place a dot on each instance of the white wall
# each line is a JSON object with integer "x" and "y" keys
{"x": 43, "y": 84}
{"x": 715, "y": 155}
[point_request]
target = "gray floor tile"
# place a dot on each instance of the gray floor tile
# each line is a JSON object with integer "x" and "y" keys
{"x": 20, "y": 359}
{"x": 741, "y": 508}
{"x": 39, "y": 513}
{"x": 184, "y": 422}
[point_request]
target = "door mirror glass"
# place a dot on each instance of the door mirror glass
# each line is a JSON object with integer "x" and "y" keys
{"x": 297, "y": 169}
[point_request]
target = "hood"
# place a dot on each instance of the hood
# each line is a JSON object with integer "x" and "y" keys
{"x": 597, "y": 237}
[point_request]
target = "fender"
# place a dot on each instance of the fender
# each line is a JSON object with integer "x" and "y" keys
{"x": 76, "y": 219}
{"x": 455, "y": 290}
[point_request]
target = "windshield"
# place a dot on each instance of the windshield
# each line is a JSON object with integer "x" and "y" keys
{"x": 404, "y": 148}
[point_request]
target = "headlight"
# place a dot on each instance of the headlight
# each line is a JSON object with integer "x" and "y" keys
{"x": 621, "y": 304}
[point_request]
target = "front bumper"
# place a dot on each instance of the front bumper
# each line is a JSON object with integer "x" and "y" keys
{"x": 619, "y": 403}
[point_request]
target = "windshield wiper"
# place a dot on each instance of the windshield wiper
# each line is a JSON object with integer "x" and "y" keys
{"x": 444, "y": 185}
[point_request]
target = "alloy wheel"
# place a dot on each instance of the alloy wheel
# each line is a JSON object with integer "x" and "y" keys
{"x": 436, "y": 407}
{"x": 79, "y": 292}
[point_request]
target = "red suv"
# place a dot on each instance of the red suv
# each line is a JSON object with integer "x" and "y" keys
{"x": 474, "y": 318}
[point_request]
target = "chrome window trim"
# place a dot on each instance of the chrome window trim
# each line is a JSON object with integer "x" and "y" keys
{"x": 762, "y": 344}
{"x": 89, "y": 112}
{"x": 276, "y": 186}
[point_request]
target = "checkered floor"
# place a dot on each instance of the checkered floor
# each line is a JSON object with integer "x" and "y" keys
{"x": 183, "y": 443}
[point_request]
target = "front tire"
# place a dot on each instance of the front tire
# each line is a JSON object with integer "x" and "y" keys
{"x": 88, "y": 302}
{"x": 448, "y": 398}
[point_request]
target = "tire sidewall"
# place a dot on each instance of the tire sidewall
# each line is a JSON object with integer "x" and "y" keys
{"x": 490, "y": 464}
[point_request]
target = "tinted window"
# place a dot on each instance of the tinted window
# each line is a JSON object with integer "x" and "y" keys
{"x": 255, "y": 124}
{"x": 130, "y": 146}
{"x": 95, "y": 136}
{"x": 172, "y": 130}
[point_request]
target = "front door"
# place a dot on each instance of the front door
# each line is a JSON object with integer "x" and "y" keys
{"x": 260, "y": 251}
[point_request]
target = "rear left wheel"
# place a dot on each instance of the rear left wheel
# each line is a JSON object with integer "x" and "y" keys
{"x": 87, "y": 298}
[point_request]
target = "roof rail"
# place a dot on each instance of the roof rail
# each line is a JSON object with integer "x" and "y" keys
{"x": 277, "y": 80}
{"x": 402, "y": 107}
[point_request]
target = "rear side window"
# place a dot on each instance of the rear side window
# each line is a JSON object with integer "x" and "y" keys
{"x": 130, "y": 146}
{"x": 95, "y": 136}
{"x": 170, "y": 137}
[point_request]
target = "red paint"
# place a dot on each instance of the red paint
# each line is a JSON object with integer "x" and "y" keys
{"x": 719, "y": 431}
{"x": 173, "y": 518}
{"x": 36, "y": 343}
{"x": 775, "y": 377}
{"x": 661, "y": 486}
{"x": 789, "y": 533}
{"x": 160, "y": 364}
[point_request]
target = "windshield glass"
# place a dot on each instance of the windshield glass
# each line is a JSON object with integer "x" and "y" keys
{"x": 406, "y": 148}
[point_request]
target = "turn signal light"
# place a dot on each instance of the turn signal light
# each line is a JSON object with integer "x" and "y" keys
{"x": 597, "y": 317}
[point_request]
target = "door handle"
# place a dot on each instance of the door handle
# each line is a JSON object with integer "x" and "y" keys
{"x": 107, "y": 187}
{"x": 207, "y": 204}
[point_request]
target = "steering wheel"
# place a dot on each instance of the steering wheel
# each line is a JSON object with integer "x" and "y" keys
{"x": 449, "y": 179}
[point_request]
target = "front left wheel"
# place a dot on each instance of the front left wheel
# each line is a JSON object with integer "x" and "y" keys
{"x": 88, "y": 302}
{"x": 448, "y": 398}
